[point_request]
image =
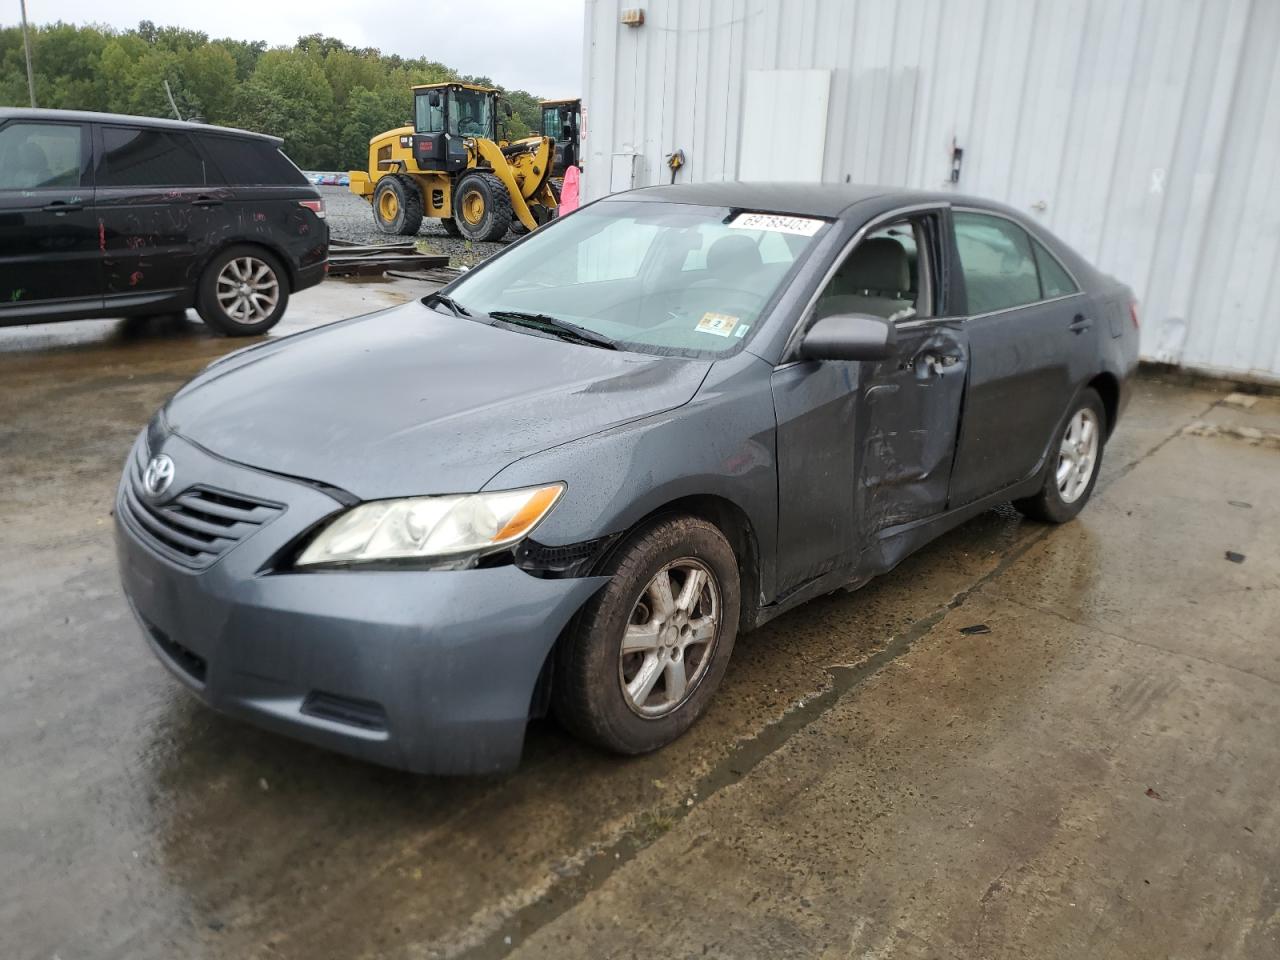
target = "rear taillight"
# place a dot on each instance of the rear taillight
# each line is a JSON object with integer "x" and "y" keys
{"x": 1133, "y": 311}
{"x": 315, "y": 206}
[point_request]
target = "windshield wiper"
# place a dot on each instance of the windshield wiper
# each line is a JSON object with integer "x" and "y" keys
{"x": 554, "y": 325}
{"x": 458, "y": 309}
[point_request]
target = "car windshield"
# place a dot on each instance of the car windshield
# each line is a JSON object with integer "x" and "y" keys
{"x": 653, "y": 277}
{"x": 470, "y": 113}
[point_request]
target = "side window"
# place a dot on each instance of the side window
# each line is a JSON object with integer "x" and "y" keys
{"x": 1054, "y": 280}
{"x": 137, "y": 157}
{"x": 884, "y": 276}
{"x": 996, "y": 259}
{"x": 250, "y": 162}
{"x": 36, "y": 156}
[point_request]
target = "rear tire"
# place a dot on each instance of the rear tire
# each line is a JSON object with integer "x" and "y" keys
{"x": 1074, "y": 461}
{"x": 481, "y": 208}
{"x": 397, "y": 206}
{"x": 679, "y": 646}
{"x": 243, "y": 292}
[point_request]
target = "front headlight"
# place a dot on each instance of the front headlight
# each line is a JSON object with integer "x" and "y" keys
{"x": 431, "y": 527}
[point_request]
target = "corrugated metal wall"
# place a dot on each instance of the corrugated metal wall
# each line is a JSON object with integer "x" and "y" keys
{"x": 1146, "y": 133}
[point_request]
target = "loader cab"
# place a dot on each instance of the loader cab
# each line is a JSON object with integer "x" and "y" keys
{"x": 444, "y": 115}
{"x": 561, "y": 121}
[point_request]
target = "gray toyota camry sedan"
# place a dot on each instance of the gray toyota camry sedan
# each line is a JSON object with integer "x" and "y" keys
{"x": 569, "y": 480}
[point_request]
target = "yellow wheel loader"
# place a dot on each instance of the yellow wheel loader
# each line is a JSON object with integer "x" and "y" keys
{"x": 451, "y": 165}
{"x": 562, "y": 122}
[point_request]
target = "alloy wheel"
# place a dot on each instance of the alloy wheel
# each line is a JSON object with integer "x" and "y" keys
{"x": 248, "y": 290}
{"x": 669, "y": 639}
{"x": 1078, "y": 455}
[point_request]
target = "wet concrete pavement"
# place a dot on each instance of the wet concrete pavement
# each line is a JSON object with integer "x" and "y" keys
{"x": 871, "y": 781}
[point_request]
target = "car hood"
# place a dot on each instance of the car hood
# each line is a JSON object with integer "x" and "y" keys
{"x": 412, "y": 401}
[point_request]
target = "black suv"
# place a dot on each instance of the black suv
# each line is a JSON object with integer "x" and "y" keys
{"x": 107, "y": 216}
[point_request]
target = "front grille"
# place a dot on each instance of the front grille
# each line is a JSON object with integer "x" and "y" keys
{"x": 196, "y": 527}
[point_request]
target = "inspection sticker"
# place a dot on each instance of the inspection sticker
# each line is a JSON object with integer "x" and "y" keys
{"x": 800, "y": 226}
{"x": 721, "y": 324}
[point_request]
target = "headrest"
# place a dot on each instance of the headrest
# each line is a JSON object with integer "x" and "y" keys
{"x": 730, "y": 256}
{"x": 877, "y": 264}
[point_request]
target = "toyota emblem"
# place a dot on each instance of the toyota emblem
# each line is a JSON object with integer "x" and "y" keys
{"x": 158, "y": 475}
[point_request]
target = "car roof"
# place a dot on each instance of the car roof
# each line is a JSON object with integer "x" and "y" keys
{"x": 828, "y": 200}
{"x": 86, "y": 116}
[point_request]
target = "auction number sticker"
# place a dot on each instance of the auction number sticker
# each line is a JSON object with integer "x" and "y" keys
{"x": 800, "y": 226}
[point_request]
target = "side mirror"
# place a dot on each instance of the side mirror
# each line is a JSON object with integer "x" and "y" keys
{"x": 433, "y": 98}
{"x": 849, "y": 336}
{"x": 506, "y": 108}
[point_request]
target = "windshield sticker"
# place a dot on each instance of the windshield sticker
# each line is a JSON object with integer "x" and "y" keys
{"x": 800, "y": 226}
{"x": 742, "y": 331}
{"x": 721, "y": 324}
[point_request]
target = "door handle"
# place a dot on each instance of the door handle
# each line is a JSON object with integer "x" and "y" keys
{"x": 1080, "y": 323}
{"x": 63, "y": 206}
{"x": 206, "y": 202}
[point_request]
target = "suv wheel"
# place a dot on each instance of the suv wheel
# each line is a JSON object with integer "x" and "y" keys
{"x": 243, "y": 292}
{"x": 644, "y": 657}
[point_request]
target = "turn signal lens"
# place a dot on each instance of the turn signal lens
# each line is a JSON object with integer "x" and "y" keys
{"x": 1133, "y": 314}
{"x": 460, "y": 528}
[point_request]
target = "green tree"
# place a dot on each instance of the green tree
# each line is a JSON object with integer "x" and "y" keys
{"x": 322, "y": 96}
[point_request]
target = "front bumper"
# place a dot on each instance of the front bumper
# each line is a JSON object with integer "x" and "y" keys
{"x": 428, "y": 671}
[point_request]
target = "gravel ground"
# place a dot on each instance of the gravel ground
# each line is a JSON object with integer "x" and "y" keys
{"x": 351, "y": 218}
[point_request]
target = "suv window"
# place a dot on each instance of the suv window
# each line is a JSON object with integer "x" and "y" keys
{"x": 251, "y": 162}
{"x": 995, "y": 256}
{"x": 39, "y": 155}
{"x": 1054, "y": 280}
{"x": 137, "y": 157}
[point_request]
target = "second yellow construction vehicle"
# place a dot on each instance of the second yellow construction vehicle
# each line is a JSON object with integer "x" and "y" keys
{"x": 451, "y": 165}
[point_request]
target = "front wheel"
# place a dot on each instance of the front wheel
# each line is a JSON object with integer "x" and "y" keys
{"x": 1074, "y": 461}
{"x": 481, "y": 207}
{"x": 243, "y": 292}
{"x": 645, "y": 656}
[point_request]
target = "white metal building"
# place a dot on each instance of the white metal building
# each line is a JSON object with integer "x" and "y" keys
{"x": 1146, "y": 133}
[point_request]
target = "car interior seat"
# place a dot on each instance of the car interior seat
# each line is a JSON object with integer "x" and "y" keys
{"x": 875, "y": 279}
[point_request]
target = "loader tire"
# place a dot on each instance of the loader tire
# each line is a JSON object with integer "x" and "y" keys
{"x": 481, "y": 207}
{"x": 397, "y": 205}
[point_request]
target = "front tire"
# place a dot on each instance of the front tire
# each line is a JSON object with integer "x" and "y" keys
{"x": 481, "y": 208}
{"x": 243, "y": 292}
{"x": 397, "y": 206}
{"x": 1074, "y": 462}
{"x": 644, "y": 657}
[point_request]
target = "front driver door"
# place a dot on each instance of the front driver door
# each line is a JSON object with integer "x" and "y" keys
{"x": 864, "y": 448}
{"x": 49, "y": 243}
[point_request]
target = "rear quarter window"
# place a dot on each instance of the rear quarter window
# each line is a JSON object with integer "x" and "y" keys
{"x": 247, "y": 162}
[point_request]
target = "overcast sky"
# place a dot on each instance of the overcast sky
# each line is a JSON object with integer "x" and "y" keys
{"x": 534, "y": 46}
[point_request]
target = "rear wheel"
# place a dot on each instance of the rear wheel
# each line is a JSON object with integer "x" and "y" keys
{"x": 243, "y": 292}
{"x": 397, "y": 206}
{"x": 1074, "y": 461}
{"x": 644, "y": 657}
{"x": 481, "y": 207}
